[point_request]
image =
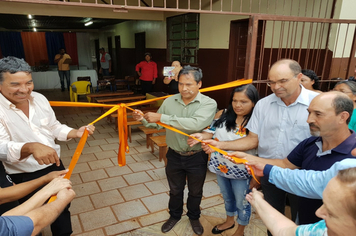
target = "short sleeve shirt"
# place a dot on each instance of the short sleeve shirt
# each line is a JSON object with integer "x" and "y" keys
{"x": 220, "y": 165}
{"x": 16, "y": 226}
{"x": 280, "y": 128}
{"x": 307, "y": 155}
{"x": 105, "y": 64}
{"x": 317, "y": 229}
{"x": 61, "y": 65}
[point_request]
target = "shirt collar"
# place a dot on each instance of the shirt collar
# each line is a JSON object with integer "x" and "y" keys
{"x": 344, "y": 148}
{"x": 303, "y": 98}
{"x": 7, "y": 104}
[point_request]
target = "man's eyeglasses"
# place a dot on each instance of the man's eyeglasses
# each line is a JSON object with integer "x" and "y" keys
{"x": 280, "y": 82}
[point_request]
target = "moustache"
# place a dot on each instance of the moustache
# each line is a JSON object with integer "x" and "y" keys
{"x": 313, "y": 125}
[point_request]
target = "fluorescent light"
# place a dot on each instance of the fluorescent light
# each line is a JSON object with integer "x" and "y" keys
{"x": 29, "y": 16}
{"x": 88, "y": 23}
{"x": 34, "y": 29}
{"x": 122, "y": 9}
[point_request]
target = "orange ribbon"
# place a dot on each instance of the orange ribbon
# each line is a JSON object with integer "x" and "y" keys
{"x": 75, "y": 158}
{"x": 122, "y": 124}
{"x": 236, "y": 159}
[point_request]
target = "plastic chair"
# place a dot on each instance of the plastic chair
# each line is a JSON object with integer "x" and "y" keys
{"x": 79, "y": 88}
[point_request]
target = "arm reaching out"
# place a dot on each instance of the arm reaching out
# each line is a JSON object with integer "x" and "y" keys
{"x": 18, "y": 191}
{"x": 278, "y": 224}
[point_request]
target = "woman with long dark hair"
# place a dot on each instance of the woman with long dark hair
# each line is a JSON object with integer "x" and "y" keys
{"x": 233, "y": 179}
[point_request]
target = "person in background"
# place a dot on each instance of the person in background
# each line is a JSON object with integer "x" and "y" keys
{"x": 191, "y": 112}
{"x": 32, "y": 216}
{"x": 172, "y": 81}
{"x": 349, "y": 88}
{"x": 28, "y": 129}
{"x": 105, "y": 62}
{"x": 63, "y": 60}
{"x": 147, "y": 70}
{"x": 310, "y": 81}
{"x": 233, "y": 179}
{"x": 338, "y": 212}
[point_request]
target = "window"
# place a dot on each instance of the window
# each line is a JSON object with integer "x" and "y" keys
{"x": 183, "y": 38}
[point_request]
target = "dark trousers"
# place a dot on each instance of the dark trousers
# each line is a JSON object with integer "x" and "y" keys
{"x": 277, "y": 198}
{"x": 105, "y": 72}
{"x": 62, "y": 74}
{"x": 307, "y": 209}
{"x": 62, "y": 226}
{"x": 182, "y": 169}
{"x": 146, "y": 87}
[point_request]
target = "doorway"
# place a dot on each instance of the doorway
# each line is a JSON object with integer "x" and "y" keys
{"x": 118, "y": 59}
{"x": 140, "y": 46}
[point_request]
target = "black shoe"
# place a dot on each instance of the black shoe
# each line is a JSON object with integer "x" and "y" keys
{"x": 219, "y": 231}
{"x": 197, "y": 227}
{"x": 168, "y": 225}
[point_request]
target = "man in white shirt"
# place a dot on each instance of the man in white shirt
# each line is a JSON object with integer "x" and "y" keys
{"x": 278, "y": 124}
{"x": 28, "y": 127}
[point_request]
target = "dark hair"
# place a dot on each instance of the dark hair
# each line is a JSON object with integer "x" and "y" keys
{"x": 13, "y": 65}
{"x": 350, "y": 84}
{"x": 311, "y": 74}
{"x": 229, "y": 115}
{"x": 348, "y": 177}
{"x": 149, "y": 54}
{"x": 101, "y": 49}
{"x": 195, "y": 71}
{"x": 343, "y": 103}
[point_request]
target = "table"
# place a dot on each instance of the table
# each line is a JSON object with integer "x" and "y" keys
{"x": 93, "y": 96}
{"x": 50, "y": 79}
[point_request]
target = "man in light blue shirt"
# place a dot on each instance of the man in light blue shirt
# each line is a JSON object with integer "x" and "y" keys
{"x": 304, "y": 183}
{"x": 277, "y": 125}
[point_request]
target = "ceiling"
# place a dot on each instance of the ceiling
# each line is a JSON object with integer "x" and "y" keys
{"x": 52, "y": 23}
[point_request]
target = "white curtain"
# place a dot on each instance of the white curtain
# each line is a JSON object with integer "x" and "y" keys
{"x": 84, "y": 57}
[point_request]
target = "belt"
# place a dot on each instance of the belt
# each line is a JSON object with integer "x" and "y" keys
{"x": 188, "y": 153}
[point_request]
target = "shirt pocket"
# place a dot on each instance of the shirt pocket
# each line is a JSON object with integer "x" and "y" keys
{"x": 44, "y": 121}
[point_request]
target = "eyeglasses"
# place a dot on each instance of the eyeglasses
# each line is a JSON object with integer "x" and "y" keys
{"x": 280, "y": 82}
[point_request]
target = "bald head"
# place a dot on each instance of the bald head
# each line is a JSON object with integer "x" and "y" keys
{"x": 339, "y": 101}
{"x": 329, "y": 114}
{"x": 292, "y": 64}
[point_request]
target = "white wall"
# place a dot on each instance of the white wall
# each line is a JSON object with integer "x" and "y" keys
{"x": 214, "y": 31}
{"x": 155, "y": 34}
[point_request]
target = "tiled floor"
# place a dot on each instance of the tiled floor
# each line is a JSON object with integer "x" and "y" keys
{"x": 130, "y": 200}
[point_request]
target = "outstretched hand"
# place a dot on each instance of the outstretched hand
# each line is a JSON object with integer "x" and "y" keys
{"x": 54, "y": 174}
{"x": 137, "y": 115}
{"x": 206, "y": 147}
{"x": 57, "y": 185}
{"x": 254, "y": 197}
{"x": 191, "y": 142}
{"x": 90, "y": 129}
{"x": 257, "y": 167}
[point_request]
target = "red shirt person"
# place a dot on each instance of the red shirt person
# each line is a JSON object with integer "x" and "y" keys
{"x": 147, "y": 70}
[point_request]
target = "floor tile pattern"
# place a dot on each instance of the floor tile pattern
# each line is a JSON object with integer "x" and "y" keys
{"x": 130, "y": 200}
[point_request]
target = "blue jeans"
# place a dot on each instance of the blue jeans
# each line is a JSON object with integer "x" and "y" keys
{"x": 105, "y": 72}
{"x": 234, "y": 192}
{"x": 62, "y": 74}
